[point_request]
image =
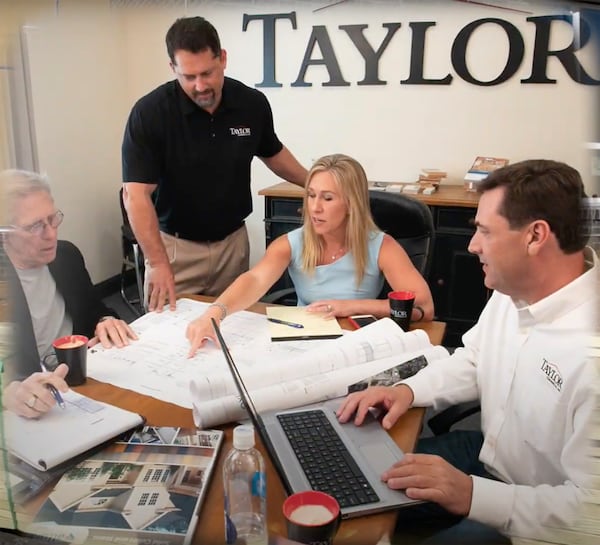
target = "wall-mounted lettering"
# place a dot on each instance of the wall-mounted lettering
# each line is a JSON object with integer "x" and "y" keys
{"x": 269, "y": 21}
{"x": 320, "y": 39}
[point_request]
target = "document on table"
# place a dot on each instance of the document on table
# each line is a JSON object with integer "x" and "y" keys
{"x": 313, "y": 376}
{"x": 301, "y": 391}
{"x": 157, "y": 364}
{"x": 62, "y": 434}
{"x": 376, "y": 341}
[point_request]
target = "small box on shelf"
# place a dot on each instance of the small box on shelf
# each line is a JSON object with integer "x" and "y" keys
{"x": 480, "y": 170}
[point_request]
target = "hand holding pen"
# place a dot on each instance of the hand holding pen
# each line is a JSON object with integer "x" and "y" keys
{"x": 53, "y": 390}
{"x": 31, "y": 397}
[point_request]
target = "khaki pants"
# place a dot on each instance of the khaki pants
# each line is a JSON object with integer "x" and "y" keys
{"x": 205, "y": 268}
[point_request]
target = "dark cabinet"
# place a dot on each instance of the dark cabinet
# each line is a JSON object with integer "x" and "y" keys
{"x": 282, "y": 214}
{"x": 456, "y": 276}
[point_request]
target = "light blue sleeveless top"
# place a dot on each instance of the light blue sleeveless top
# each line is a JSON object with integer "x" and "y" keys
{"x": 336, "y": 280}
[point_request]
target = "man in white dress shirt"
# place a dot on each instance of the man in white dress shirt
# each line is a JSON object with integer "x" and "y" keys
{"x": 525, "y": 360}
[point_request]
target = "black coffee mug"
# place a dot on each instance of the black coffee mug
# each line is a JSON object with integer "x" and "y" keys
{"x": 72, "y": 350}
{"x": 312, "y": 517}
{"x": 401, "y": 305}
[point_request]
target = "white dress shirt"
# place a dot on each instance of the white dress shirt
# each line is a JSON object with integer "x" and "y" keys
{"x": 529, "y": 366}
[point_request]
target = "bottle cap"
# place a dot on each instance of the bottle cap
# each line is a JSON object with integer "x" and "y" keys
{"x": 243, "y": 437}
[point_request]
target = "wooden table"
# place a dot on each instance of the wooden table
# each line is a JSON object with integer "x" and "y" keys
{"x": 359, "y": 531}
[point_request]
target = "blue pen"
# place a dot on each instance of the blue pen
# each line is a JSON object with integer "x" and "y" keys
{"x": 283, "y": 322}
{"x": 55, "y": 393}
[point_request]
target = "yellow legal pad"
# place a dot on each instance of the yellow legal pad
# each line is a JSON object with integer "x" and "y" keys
{"x": 315, "y": 326}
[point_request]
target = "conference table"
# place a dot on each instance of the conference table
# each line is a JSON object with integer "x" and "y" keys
{"x": 365, "y": 530}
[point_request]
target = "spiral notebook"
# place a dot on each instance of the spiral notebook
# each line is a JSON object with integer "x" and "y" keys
{"x": 62, "y": 434}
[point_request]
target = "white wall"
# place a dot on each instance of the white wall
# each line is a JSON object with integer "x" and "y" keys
{"x": 79, "y": 106}
{"x": 92, "y": 60}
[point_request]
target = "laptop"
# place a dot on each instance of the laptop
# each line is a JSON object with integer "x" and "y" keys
{"x": 361, "y": 453}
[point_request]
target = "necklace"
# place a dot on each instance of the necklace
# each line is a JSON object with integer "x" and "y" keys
{"x": 337, "y": 254}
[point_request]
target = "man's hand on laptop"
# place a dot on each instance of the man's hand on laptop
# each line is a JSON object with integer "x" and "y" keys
{"x": 396, "y": 400}
{"x": 431, "y": 478}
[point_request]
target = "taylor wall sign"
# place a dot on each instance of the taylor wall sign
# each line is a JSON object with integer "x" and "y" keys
{"x": 320, "y": 50}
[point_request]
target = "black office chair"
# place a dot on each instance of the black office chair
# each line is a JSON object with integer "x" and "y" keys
{"x": 133, "y": 259}
{"x": 410, "y": 222}
{"x": 407, "y": 220}
{"x": 444, "y": 420}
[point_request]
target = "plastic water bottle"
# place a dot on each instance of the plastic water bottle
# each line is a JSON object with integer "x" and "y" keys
{"x": 245, "y": 488}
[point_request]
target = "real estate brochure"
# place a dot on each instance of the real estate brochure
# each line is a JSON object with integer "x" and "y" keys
{"x": 145, "y": 490}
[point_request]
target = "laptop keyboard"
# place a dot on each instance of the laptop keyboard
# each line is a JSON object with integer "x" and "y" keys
{"x": 326, "y": 462}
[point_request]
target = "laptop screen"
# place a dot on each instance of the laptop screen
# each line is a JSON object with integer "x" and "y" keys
{"x": 250, "y": 407}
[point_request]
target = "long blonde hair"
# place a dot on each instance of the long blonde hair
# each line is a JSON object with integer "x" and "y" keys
{"x": 351, "y": 179}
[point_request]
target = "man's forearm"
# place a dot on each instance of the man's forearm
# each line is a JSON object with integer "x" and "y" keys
{"x": 144, "y": 223}
{"x": 286, "y": 166}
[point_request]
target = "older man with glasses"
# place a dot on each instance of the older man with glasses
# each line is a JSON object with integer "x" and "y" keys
{"x": 51, "y": 292}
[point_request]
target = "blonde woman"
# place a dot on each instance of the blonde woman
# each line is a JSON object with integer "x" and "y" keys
{"x": 338, "y": 260}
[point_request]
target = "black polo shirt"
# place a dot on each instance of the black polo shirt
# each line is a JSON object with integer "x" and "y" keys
{"x": 200, "y": 162}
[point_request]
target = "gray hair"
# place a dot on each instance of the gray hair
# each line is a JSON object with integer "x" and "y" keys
{"x": 18, "y": 184}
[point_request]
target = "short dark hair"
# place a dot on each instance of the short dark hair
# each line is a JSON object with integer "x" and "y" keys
{"x": 541, "y": 189}
{"x": 192, "y": 34}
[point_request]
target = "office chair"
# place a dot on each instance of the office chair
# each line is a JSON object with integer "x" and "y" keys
{"x": 410, "y": 222}
{"x": 133, "y": 259}
{"x": 444, "y": 420}
{"x": 441, "y": 422}
{"x": 407, "y": 220}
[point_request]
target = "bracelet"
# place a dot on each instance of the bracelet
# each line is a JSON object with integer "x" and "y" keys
{"x": 222, "y": 307}
{"x": 422, "y": 313}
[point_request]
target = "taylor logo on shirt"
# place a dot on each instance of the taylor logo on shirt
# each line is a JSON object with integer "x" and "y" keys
{"x": 553, "y": 376}
{"x": 240, "y": 131}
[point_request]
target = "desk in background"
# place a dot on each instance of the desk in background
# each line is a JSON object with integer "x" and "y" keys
{"x": 363, "y": 531}
{"x": 456, "y": 277}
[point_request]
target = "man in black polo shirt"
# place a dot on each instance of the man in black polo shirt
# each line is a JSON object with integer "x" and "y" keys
{"x": 186, "y": 153}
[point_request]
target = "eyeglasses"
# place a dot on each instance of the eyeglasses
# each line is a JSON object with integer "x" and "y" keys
{"x": 38, "y": 227}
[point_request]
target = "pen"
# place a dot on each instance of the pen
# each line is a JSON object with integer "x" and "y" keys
{"x": 283, "y": 322}
{"x": 55, "y": 393}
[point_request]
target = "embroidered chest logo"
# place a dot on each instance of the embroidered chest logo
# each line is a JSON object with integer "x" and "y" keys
{"x": 240, "y": 131}
{"x": 553, "y": 376}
